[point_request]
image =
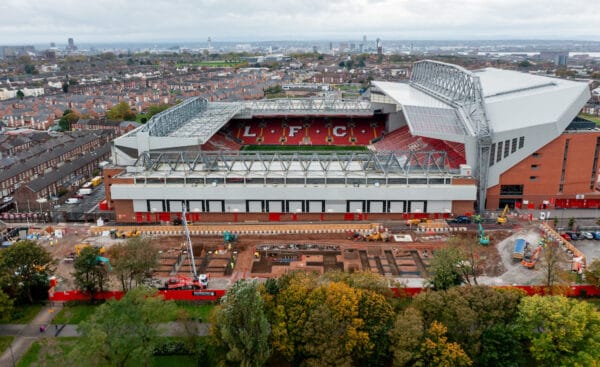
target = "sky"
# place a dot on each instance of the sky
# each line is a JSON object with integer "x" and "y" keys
{"x": 89, "y": 21}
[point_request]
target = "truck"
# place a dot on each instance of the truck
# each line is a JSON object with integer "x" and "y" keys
{"x": 96, "y": 181}
{"x": 519, "y": 249}
{"x": 83, "y": 191}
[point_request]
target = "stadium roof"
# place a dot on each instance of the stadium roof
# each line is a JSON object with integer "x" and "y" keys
{"x": 512, "y": 100}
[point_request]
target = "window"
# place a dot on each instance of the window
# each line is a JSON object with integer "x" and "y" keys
{"x": 521, "y": 142}
{"x": 535, "y": 155}
{"x": 492, "y": 154}
{"x": 513, "y": 147}
{"x": 533, "y": 178}
{"x": 499, "y": 155}
{"x": 511, "y": 189}
{"x": 534, "y": 166}
{"x": 506, "y": 148}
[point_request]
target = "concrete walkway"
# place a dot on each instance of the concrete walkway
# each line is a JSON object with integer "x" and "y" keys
{"x": 25, "y": 335}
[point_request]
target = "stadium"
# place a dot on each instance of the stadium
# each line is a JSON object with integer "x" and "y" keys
{"x": 449, "y": 142}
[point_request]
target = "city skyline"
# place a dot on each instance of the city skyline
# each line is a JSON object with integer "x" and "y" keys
{"x": 186, "y": 21}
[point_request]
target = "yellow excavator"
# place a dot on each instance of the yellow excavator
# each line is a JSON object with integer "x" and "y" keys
{"x": 502, "y": 218}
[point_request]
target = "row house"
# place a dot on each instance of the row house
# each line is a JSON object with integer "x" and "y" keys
{"x": 67, "y": 177}
{"x": 27, "y": 170}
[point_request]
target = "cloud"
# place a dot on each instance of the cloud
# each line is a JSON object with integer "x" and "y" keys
{"x": 186, "y": 20}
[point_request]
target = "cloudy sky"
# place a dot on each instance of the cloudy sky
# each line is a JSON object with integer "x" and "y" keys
{"x": 41, "y": 21}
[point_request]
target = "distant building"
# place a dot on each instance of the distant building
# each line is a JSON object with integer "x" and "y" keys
{"x": 15, "y": 51}
{"x": 71, "y": 45}
{"x": 560, "y": 58}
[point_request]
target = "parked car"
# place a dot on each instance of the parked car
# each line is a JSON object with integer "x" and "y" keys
{"x": 566, "y": 236}
{"x": 574, "y": 236}
{"x": 597, "y": 235}
{"x": 463, "y": 219}
{"x": 72, "y": 201}
{"x": 7, "y": 199}
{"x": 587, "y": 235}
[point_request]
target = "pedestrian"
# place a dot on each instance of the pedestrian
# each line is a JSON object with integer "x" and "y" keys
{"x": 55, "y": 326}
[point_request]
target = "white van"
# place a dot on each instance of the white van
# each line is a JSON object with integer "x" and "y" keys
{"x": 72, "y": 201}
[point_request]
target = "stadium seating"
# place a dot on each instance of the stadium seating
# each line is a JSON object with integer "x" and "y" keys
{"x": 309, "y": 131}
{"x": 402, "y": 139}
{"x": 220, "y": 141}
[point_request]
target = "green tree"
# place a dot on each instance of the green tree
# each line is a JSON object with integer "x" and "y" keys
{"x": 25, "y": 267}
{"x": 133, "y": 261}
{"x": 155, "y": 109}
{"x": 406, "y": 337}
{"x": 121, "y": 111}
{"x": 240, "y": 324}
{"x": 20, "y": 94}
{"x": 592, "y": 273}
{"x": 30, "y": 69}
{"x": 6, "y": 305}
{"x": 123, "y": 333}
{"x": 90, "y": 275}
{"x": 65, "y": 87}
{"x": 560, "y": 331}
{"x": 444, "y": 269}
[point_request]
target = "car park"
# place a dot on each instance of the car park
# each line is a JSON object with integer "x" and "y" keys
{"x": 566, "y": 236}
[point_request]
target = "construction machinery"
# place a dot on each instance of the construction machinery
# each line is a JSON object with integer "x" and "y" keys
{"x": 519, "y": 250}
{"x": 117, "y": 233}
{"x": 104, "y": 261}
{"x": 229, "y": 237}
{"x": 182, "y": 282}
{"x": 378, "y": 236}
{"x": 202, "y": 280}
{"x": 531, "y": 258}
{"x": 483, "y": 239}
{"x": 502, "y": 218}
{"x": 81, "y": 246}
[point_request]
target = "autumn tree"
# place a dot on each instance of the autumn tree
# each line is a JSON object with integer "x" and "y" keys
{"x": 438, "y": 351}
{"x": 552, "y": 265}
{"x": 592, "y": 273}
{"x": 468, "y": 312}
{"x": 20, "y": 94}
{"x": 133, "y": 261}
{"x": 121, "y": 111}
{"x": 90, "y": 275}
{"x": 560, "y": 331}
{"x": 24, "y": 270}
{"x": 123, "y": 333}
{"x": 240, "y": 325}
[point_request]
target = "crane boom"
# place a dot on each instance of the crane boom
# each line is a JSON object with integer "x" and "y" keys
{"x": 188, "y": 239}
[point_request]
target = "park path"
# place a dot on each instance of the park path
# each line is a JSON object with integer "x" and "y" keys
{"x": 26, "y": 335}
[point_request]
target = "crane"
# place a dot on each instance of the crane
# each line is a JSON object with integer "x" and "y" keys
{"x": 188, "y": 239}
{"x": 483, "y": 239}
{"x": 502, "y": 218}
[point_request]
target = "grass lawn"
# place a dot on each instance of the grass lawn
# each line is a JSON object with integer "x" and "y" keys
{"x": 304, "y": 148}
{"x": 51, "y": 352}
{"x": 196, "y": 311}
{"x": 5, "y": 342}
{"x": 592, "y": 118}
{"x": 74, "y": 314}
{"x": 23, "y": 314}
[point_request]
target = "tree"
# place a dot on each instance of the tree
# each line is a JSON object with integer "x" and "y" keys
{"x": 406, "y": 337}
{"x": 68, "y": 118}
{"x": 437, "y": 351}
{"x": 29, "y": 69}
{"x": 121, "y": 111}
{"x": 6, "y": 305}
{"x": 468, "y": 312}
{"x": 65, "y": 87}
{"x": 552, "y": 267}
{"x": 25, "y": 267}
{"x": 122, "y": 333}
{"x": 592, "y": 273}
{"x": 20, "y": 94}
{"x": 444, "y": 269}
{"x": 132, "y": 262}
{"x": 240, "y": 324}
{"x": 560, "y": 331}
{"x": 155, "y": 109}
{"x": 90, "y": 275}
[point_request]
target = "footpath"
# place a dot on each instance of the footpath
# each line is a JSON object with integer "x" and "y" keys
{"x": 26, "y": 335}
